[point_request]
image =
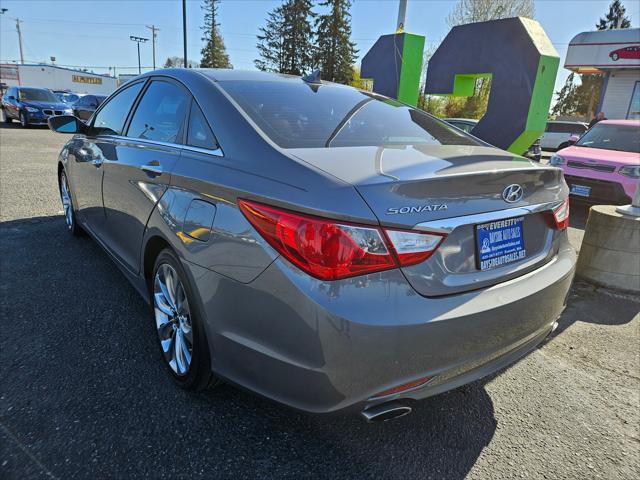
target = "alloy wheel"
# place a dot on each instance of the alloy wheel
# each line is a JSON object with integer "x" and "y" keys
{"x": 67, "y": 205}
{"x": 173, "y": 319}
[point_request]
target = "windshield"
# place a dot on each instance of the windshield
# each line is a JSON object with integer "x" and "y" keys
{"x": 296, "y": 115}
{"x": 625, "y": 138}
{"x": 37, "y": 95}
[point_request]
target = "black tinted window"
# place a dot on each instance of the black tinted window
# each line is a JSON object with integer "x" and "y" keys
{"x": 199, "y": 133}
{"x": 296, "y": 115}
{"x": 110, "y": 119}
{"x": 160, "y": 113}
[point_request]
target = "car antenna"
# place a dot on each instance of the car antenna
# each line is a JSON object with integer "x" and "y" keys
{"x": 313, "y": 78}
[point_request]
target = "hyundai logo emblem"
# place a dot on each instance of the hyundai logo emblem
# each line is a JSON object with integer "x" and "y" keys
{"x": 513, "y": 193}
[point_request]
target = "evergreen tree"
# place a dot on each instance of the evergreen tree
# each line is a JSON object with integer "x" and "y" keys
{"x": 214, "y": 53}
{"x": 336, "y": 52}
{"x": 270, "y": 43}
{"x": 297, "y": 37}
{"x": 616, "y": 17}
{"x": 286, "y": 44}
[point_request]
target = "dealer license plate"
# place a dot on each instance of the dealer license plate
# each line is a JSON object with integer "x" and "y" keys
{"x": 500, "y": 243}
{"x": 580, "y": 190}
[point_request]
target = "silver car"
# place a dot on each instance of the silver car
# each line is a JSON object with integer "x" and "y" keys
{"x": 324, "y": 247}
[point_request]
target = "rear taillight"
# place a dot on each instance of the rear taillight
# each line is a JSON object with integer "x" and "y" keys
{"x": 329, "y": 250}
{"x": 561, "y": 215}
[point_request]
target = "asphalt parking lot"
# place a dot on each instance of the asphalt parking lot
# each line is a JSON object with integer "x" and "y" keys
{"x": 83, "y": 393}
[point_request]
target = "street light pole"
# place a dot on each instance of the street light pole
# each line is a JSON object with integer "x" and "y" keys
{"x": 184, "y": 32}
{"x": 138, "y": 40}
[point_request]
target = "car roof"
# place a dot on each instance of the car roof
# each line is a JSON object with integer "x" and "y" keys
{"x": 219, "y": 74}
{"x": 634, "y": 123}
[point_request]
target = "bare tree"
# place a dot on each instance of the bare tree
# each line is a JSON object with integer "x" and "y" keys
{"x": 470, "y": 11}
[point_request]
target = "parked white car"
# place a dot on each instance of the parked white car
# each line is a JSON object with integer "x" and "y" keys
{"x": 556, "y": 134}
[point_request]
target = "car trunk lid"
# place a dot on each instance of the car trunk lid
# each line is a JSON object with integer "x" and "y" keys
{"x": 451, "y": 189}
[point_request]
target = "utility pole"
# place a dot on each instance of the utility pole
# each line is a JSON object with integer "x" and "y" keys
{"x": 18, "y": 22}
{"x": 138, "y": 40}
{"x": 184, "y": 32}
{"x": 153, "y": 29}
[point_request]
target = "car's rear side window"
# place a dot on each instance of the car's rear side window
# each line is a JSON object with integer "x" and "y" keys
{"x": 160, "y": 114}
{"x": 110, "y": 119}
{"x": 296, "y": 115}
{"x": 199, "y": 134}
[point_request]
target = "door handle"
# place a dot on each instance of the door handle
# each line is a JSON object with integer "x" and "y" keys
{"x": 152, "y": 167}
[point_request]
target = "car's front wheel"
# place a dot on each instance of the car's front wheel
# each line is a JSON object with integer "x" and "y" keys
{"x": 179, "y": 325}
{"x": 24, "y": 123}
{"x": 615, "y": 57}
{"x": 5, "y": 116}
{"x": 67, "y": 206}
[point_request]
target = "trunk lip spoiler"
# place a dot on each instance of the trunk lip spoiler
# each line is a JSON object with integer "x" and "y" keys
{"x": 448, "y": 225}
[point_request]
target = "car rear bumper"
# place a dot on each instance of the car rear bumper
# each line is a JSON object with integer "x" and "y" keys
{"x": 327, "y": 346}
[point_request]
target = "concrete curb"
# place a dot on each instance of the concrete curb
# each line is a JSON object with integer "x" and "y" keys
{"x": 610, "y": 252}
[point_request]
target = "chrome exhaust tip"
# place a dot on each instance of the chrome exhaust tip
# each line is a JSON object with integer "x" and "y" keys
{"x": 385, "y": 411}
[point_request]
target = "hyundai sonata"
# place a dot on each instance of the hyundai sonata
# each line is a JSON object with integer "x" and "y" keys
{"x": 322, "y": 246}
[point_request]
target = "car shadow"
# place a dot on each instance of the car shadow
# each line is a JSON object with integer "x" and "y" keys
{"x": 83, "y": 359}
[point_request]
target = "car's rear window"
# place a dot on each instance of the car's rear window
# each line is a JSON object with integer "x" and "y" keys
{"x": 625, "y": 138}
{"x": 296, "y": 115}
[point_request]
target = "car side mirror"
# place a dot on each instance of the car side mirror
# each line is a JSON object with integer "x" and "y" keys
{"x": 67, "y": 124}
{"x": 573, "y": 139}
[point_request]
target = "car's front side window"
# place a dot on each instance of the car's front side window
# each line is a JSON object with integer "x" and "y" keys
{"x": 110, "y": 119}
{"x": 160, "y": 114}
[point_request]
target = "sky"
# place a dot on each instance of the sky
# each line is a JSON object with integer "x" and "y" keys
{"x": 95, "y": 34}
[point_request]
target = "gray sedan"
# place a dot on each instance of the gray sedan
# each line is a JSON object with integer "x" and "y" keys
{"x": 325, "y": 247}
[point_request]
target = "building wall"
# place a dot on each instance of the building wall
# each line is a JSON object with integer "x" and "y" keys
{"x": 618, "y": 94}
{"x": 45, "y": 76}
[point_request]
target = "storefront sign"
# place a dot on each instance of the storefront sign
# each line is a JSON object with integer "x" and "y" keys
{"x": 83, "y": 79}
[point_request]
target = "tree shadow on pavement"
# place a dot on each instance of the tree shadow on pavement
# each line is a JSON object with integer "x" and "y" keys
{"x": 85, "y": 394}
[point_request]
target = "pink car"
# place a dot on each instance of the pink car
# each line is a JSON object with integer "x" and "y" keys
{"x": 604, "y": 164}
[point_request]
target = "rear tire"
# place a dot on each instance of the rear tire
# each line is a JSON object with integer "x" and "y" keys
{"x": 179, "y": 325}
{"x": 563, "y": 145}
